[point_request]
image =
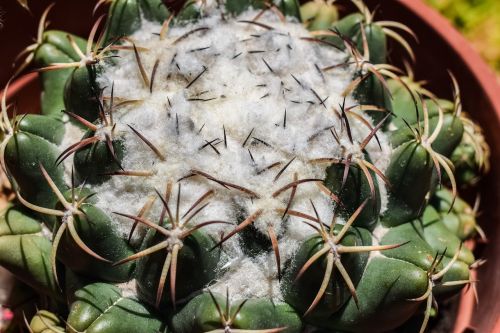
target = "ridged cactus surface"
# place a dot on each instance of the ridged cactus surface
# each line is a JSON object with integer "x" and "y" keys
{"x": 238, "y": 166}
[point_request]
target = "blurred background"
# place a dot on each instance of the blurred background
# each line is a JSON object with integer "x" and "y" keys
{"x": 479, "y": 21}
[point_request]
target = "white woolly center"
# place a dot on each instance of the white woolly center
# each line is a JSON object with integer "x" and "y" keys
{"x": 249, "y": 77}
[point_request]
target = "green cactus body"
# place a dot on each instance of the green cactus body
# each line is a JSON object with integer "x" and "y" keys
{"x": 24, "y": 153}
{"x": 25, "y": 252}
{"x": 45, "y": 127}
{"x": 350, "y": 27}
{"x": 410, "y": 174}
{"x": 447, "y": 140}
{"x": 226, "y": 149}
{"x": 55, "y": 48}
{"x": 387, "y": 286}
{"x": 95, "y": 229}
{"x": 318, "y": 15}
{"x": 355, "y": 191}
{"x": 81, "y": 93}
{"x": 237, "y": 7}
{"x": 195, "y": 260}
{"x": 201, "y": 315}
{"x": 300, "y": 293}
{"x": 96, "y": 162}
{"x": 101, "y": 308}
{"x": 125, "y": 16}
{"x": 291, "y": 8}
{"x": 45, "y": 322}
{"x": 460, "y": 218}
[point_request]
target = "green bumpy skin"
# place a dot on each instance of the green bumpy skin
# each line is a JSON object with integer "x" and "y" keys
{"x": 355, "y": 191}
{"x": 45, "y": 322}
{"x": 467, "y": 170}
{"x": 200, "y": 315}
{"x": 81, "y": 93}
{"x": 95, "y": 162}
{"x": 237, "y": 7}
{"x": 385, "y": 292}
{"x": 410, "y": 175}
{"x": 406, "y": 103}
{"x": 461, "y": 219}
{"x": 437, "y": 235}
{"x": 301, "y": 293}
{"x": 349, "y": 27}
{"x": 25, "y": 252}
{"x": 448, "y": 139}
{"x": 196, "y": 267}
{"x": 372, "y": 92}
{"x": 318, "y": 15}
{"x": 46, "y": 127}
{"x": 97, "y": 232}
{"x": 55, "y": 48}
{"x": 124, "y": 16}
{"x": 101, "y": 308}
{"x": 24, "y": 154}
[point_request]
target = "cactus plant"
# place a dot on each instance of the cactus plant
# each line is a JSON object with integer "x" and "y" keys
{"x": 224, "y": 169}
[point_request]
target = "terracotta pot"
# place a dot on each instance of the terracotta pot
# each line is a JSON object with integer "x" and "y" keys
{"x": 440, "y": 48}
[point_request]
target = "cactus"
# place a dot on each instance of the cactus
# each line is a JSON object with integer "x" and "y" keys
{"x": 225, "y": 169}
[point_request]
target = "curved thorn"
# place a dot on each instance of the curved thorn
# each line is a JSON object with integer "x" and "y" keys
{"x": 143, "y": 212}
{"x": 324, "y": 284}
{"x": 427, "y": 293}
{"x": 163, "y": 278}
{"x": 295, "y": 183}
{"x": 146, "y": 222}
{"x": 349, "y": 222}
{"x": 26, "y": 323}
{"x": 445, "y": 269}
{"x": 92, "y": 34}
{"x": 368, "y": 248}
{"x": 148, "y": 143}
{"x": 74, "y": 148}
{"x": 43, "y": 210}
{"x": 199, "y": 226}
{"x": 197, "y": 202}
{"x": 143, "y": 253}
{"x": 249, "y": 220}
{"x": 165, "y": 27}
{"x": 42, "y": 25}
{"x": 276, "y": 249}
{"x": 378, "y": 172}
{"x": 173, "y": 274}
{"x": 400, "y": 39}
{"x": 53, "y": 253}
{"x": 427, "y": 314}
{"x": 348, "y": 281}
{"x": 311, "y": 261}
{"x": 368, "y": 177}
{"x": 80, "y": 243}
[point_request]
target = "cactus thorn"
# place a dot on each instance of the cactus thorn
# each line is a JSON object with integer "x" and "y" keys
{"x": 158, "y": 153}
{"x": 174, "y": 237}
{"x": 333, "y": 250}
{"x": 227, "y": 319}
